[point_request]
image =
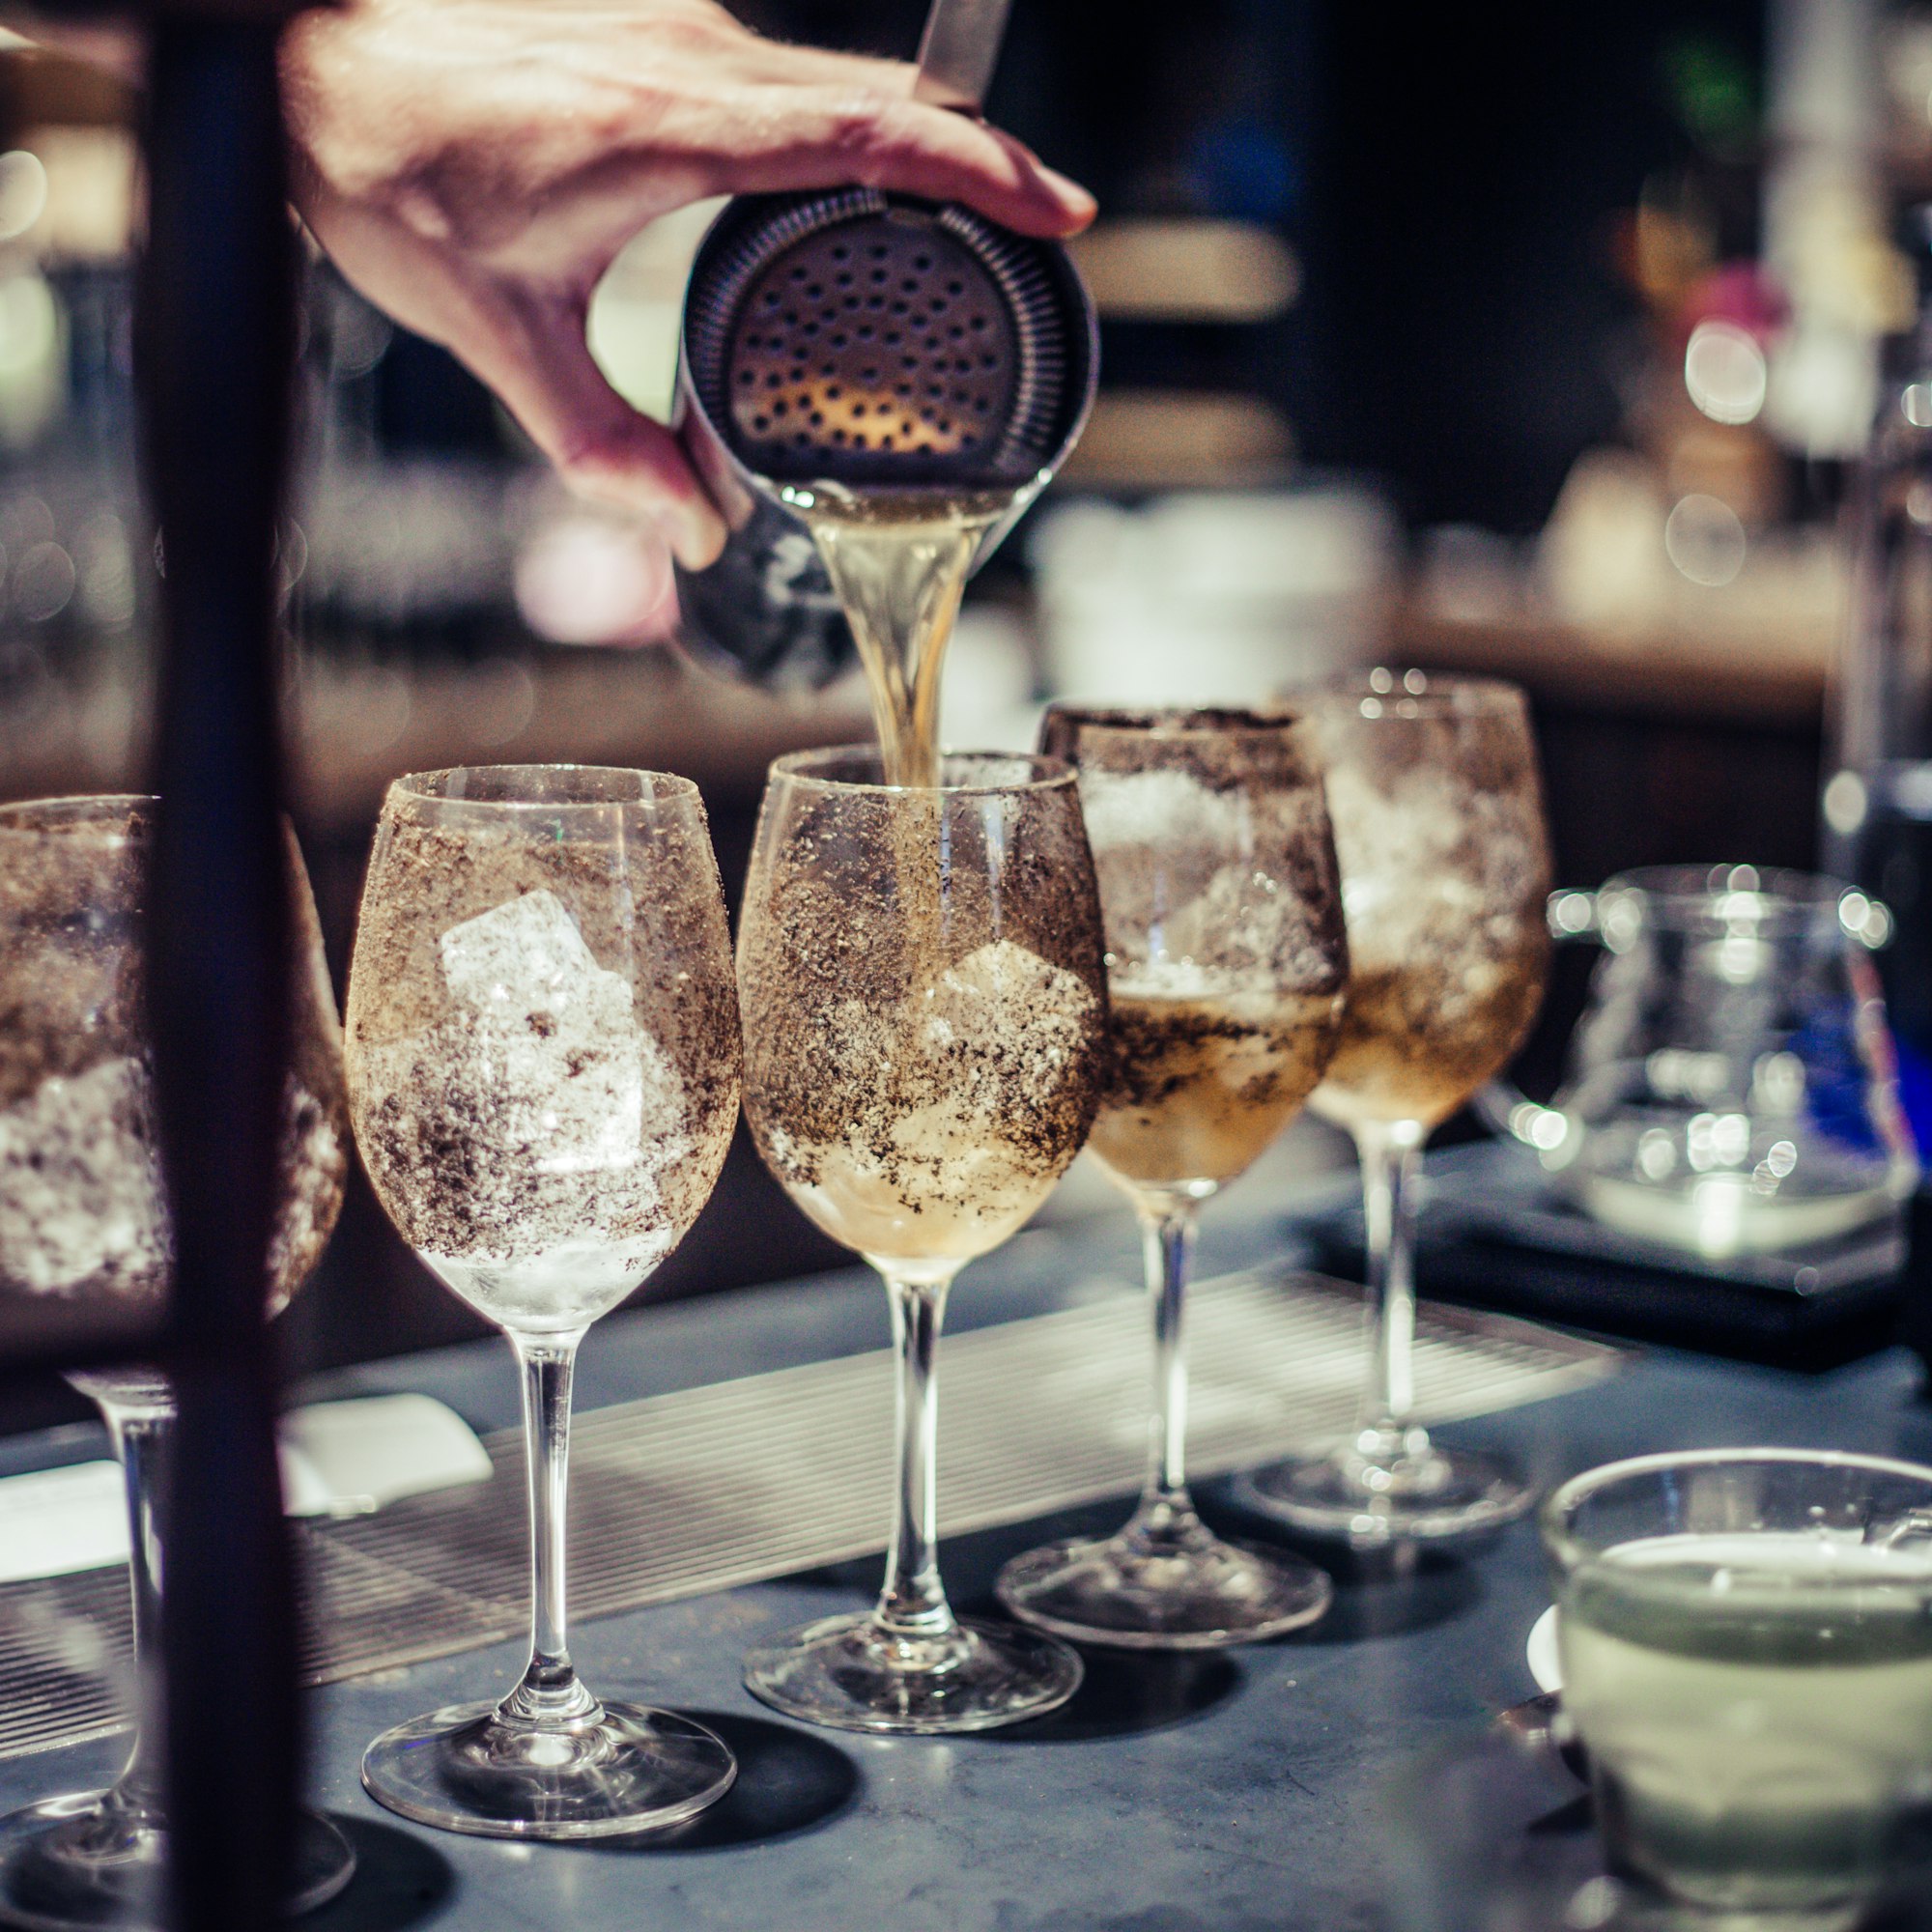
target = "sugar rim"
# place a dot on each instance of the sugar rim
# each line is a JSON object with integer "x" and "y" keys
{"x": 655, "y": 789}
{"x": 107, "y": 812}
{"x": 1182, "y": 720}
{"x": 1048, "y": 773}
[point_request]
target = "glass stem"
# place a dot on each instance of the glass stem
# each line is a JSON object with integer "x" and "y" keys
{"x": 140, "y": 1433}
{"x": 1167, "y": 1238}
{"x": 913, "y": 1602}
{"x": 1389, "y": 1157}
{"x": 550, "y": 1691}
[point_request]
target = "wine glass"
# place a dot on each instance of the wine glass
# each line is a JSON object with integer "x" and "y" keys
{"x": 1437, "y": 810}
{"x": 925, "y": 1044}
{"x": 84, "y": 1217}
{"x": 1226, "y": 962}
{"x": 543, "y": 1073}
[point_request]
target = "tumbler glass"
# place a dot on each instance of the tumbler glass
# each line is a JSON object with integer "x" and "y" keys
{"x": 1747, "y": 1646}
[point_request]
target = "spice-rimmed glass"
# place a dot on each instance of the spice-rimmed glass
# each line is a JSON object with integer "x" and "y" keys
{"x": 1437, "y": 810}
{"x": 543, "y": 1065}
{"x": 924, "y": 1045}
{"x": 84, "y": 1217}
{"x": 1226, "y": 965}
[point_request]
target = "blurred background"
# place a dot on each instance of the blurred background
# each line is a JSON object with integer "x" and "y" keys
{"x": 1547, "y": 350}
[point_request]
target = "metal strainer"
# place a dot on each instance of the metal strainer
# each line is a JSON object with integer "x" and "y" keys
{"x": 874, "y": 341}
{"x": 884, "y": 343}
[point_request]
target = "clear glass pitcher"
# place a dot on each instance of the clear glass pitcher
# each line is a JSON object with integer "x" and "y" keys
{"x": 1731, "y": 1086}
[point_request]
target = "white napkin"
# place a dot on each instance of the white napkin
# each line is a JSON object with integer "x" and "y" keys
{"x": 55, "y": 1521}
{"x": 1546, "y": 1665}
{"x": 351, "y": 1458}
{"x": 338, "y": 1458}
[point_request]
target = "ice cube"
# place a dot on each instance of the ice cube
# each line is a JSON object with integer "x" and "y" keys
{"x": 526, "y": 953}
{"x": 557, "y": 1065}
{"x": 1159, "y": 808}
{"x": 80, "y": 1188}
{"x": 529, "y": 1134}
{"x": 1009, "y": 1015}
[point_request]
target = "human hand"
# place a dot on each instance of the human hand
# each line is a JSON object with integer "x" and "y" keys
{"x": 472, "y": 166}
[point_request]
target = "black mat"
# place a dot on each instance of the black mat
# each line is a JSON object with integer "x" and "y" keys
{"x": 1495, "y": 1232}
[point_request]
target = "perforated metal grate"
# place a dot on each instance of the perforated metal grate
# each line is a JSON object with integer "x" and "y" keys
{"x": 883, "y": 343}
{"x": 740, "y": 1481}
{"x": 872, "y": 336}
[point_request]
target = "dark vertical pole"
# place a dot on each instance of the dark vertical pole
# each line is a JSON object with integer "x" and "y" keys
{"x": 215, "y": 330}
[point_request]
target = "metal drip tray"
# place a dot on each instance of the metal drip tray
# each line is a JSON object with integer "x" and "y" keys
{"x": 737, "y": 1482}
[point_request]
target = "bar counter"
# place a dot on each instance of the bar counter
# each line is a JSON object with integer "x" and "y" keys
{"x": 1225, "y": 1792}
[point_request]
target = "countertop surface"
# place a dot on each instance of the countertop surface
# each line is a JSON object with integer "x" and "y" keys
{"x": 1224, "y": 1794}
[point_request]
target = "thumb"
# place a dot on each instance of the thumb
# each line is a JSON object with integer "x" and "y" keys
{"x": 530, "y": 349}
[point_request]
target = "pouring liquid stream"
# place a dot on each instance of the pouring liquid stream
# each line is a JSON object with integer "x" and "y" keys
{"x": 899, "y": 563}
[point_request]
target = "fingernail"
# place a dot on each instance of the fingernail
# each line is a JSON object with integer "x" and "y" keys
{"x": 1076, "y": 199}
{"x": 696, "y": 534}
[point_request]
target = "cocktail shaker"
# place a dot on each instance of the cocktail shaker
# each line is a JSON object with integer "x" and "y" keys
{"x": 875, "y": 341}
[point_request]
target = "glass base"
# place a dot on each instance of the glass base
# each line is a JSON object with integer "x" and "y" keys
{"x": 1389, "y": 1487}
{"x": 622, "y": 1769}
{"x": 1608, "y": 1905}
{"x": 82, "y": 1861}
{"x": 854, "y": 1675}
{"x": 1172, "y": 1585}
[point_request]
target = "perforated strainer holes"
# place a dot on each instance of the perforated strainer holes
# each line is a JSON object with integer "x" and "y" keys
{"x": 870, "y": 341}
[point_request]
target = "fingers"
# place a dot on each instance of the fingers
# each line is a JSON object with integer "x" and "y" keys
{"x": 792, "y": 64}
{"x": 840, "y": 112}
{"x": 855, "y": 122}
{"x": 813, "y": 138}
{"x": 532, "y": 351}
